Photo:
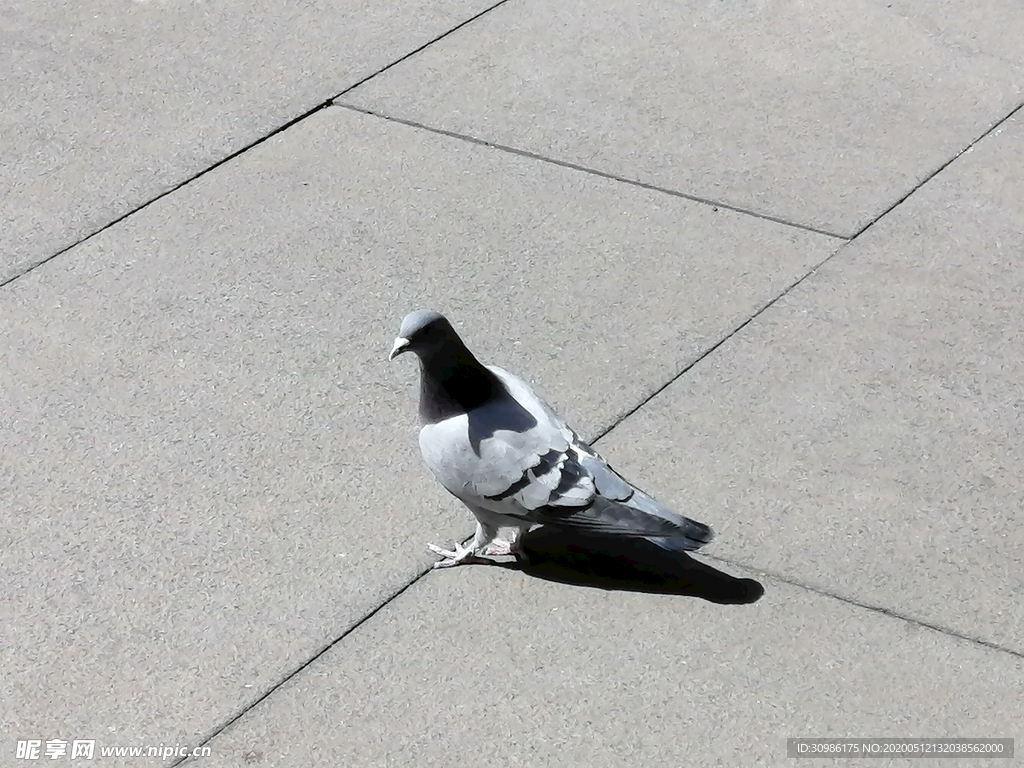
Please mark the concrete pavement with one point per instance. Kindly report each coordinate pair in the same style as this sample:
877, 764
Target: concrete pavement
109, 104
768, 254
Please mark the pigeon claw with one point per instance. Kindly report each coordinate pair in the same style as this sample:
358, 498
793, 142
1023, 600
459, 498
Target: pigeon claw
458, 556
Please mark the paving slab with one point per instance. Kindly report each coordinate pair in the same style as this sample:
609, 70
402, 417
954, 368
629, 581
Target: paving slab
865, 433
817, 112
494, 668
106, 104
210, 471
992, 27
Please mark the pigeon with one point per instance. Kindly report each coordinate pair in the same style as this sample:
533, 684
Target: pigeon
504, 453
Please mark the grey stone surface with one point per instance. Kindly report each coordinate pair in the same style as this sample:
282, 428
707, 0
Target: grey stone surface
818, 112
209, 470
865, 434
493, 668
994, 27
105, 104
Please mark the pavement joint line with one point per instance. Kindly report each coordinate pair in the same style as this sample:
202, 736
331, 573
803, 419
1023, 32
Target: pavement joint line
426, 45
890, 612
591, 171
159, 196
716, 345
280, 682
256, 142
939, 170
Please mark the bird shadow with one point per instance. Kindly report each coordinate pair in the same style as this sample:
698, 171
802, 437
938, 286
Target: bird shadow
626, 564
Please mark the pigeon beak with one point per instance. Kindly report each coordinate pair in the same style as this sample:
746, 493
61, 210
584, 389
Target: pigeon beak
401, 345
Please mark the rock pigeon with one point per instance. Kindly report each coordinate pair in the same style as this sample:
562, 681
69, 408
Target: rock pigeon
505, 454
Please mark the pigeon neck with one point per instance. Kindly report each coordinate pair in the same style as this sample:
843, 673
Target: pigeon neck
453, 382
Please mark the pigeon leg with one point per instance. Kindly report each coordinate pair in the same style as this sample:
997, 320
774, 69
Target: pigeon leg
500, 547
485, 535
512, 547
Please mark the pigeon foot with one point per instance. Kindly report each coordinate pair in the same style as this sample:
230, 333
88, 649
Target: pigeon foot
459, 556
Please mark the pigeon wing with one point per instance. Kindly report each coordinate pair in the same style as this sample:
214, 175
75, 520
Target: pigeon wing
510, 454
515, 457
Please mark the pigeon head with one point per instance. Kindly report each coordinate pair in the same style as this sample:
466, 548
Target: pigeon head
424, 332
452, 380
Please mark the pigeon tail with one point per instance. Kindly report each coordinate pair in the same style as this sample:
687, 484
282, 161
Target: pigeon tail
692, 535
608, 517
